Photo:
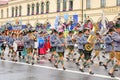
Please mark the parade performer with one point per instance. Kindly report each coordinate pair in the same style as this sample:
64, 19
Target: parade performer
2, 45
70, 45
60, 48
53, 40
109, 47
10, 45
116, 41
28, 46
97, 48
87, 54
81, 42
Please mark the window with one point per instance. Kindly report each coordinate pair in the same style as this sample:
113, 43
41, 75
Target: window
103, 3
118, 2
37, 8
2, 13
58, 5
47, 6
12, 11
16, 10
7, 12
87, 4
42, 7
33, 6
64, 5
20, 10
70, 5
28, 9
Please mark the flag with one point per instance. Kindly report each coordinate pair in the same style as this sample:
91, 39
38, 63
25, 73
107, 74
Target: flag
10, 28
56, 24
75, 22
66, 16
103, 25
40, 42
75, 18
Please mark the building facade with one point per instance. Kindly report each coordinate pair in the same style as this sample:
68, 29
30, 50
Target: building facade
42, 11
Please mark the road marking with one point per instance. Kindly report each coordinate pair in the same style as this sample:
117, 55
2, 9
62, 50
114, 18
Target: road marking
78, 72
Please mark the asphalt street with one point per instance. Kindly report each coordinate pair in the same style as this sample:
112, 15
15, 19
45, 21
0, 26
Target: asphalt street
44, 70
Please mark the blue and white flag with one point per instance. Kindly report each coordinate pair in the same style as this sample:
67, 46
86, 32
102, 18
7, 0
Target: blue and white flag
75, 22
41, 42
66, 16
75, 18
56, 24
104, 29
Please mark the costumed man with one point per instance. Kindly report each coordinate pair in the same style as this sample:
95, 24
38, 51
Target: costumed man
97, 48
3, 46
109, 47
116, 41
87, 54
53, 40
28, 46
10, 45
70, 45
81, 42
35, 50
60, 48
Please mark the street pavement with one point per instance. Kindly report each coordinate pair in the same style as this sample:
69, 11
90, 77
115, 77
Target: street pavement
44, 70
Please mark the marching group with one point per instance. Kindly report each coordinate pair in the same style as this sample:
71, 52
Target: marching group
31, 44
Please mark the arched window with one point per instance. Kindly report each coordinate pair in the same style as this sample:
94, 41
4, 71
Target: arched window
20, 10
2, 13
58, 5
70, 5
118, 2
88, 4
12, 11
103, 3
33, 7
28, 9
47, 6
37, 8
16, 10
64, 5
42, 7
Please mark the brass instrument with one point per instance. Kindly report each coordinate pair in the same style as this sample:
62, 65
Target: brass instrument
91, 39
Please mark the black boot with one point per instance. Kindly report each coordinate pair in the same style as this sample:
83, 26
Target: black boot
105, 66
81, 70
91, 73
111, 74
64, 68
56, 66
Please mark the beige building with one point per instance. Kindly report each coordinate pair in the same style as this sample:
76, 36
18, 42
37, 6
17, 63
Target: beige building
42, 11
